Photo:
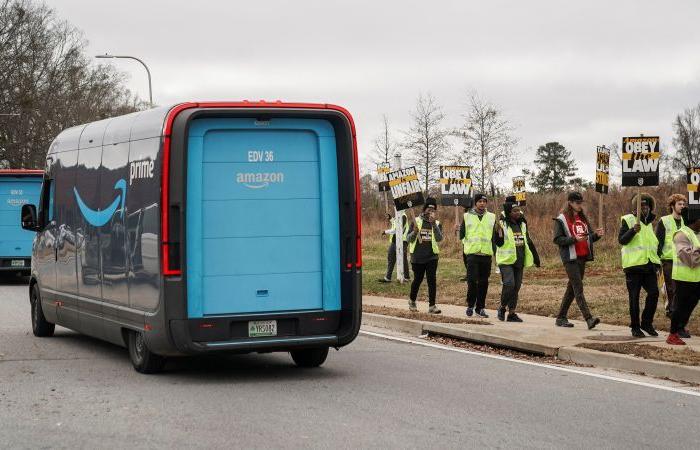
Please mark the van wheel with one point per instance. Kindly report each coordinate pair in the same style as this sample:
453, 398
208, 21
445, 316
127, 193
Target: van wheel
142, 358
40, 326
311, 357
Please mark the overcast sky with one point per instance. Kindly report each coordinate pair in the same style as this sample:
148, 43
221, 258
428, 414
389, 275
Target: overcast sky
581, 73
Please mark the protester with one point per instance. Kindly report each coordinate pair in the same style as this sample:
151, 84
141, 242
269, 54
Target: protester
515, 251
391, 254
423, 237
665, 229
640, 262
476, 232
575, 241
686, 275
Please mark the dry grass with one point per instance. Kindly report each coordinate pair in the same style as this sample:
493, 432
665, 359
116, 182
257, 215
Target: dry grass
686, 356
404, 314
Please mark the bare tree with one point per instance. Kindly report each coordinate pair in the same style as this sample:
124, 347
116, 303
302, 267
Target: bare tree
384, 144
488, 143
427, 140
47, 83
687, 139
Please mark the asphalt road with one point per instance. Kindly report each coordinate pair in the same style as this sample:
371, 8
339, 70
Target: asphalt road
77, 392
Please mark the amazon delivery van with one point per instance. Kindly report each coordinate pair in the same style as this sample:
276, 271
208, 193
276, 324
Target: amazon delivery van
202, 227
17, 187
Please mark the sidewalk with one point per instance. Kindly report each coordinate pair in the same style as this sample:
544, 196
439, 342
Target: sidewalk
538, 334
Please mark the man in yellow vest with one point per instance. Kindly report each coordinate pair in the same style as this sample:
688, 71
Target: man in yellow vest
666, 227
514, 252
391, 254
640, 262
476, 232
423, 237
686, 274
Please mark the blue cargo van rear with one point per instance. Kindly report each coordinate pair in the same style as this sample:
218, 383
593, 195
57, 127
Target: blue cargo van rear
202, 227
17, 188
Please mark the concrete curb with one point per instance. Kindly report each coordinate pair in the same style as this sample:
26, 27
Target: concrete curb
661, 369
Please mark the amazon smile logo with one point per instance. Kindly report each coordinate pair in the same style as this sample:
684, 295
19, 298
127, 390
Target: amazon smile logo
100, 217
258, 180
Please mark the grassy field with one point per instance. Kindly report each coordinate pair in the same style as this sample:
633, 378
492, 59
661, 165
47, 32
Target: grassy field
542, 288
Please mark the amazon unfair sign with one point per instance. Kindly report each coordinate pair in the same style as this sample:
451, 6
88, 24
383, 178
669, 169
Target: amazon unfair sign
405, 188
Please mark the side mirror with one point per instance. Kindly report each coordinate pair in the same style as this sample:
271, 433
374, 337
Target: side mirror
29, 220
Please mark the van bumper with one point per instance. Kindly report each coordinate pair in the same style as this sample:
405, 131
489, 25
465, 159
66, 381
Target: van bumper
302, 330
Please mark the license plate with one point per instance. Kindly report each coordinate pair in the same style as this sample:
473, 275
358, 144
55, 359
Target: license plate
260, 328
17, 263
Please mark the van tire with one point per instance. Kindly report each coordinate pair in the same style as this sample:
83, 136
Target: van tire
310, 357
40, 326
144, 360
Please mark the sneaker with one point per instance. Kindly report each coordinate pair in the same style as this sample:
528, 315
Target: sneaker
434, 310
412, 306
674, 339
637, 332
684, 334
470, 311
512, 317
650, 330
592, 322
482, 313
384, 280
564, 323
501, 314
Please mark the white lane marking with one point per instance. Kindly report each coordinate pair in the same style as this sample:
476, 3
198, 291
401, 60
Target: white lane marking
531, 363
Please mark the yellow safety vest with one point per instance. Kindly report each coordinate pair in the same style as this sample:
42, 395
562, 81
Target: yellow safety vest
670, 225
643, 246
419, 225
478, 234
393, 228
681, 272
507, 253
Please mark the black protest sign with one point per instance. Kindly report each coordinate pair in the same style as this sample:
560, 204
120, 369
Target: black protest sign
640, 161
456, 186
693, 178
602, 170
405, 188
383, 168
519, 190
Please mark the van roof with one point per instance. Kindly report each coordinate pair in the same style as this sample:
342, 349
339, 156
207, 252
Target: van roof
155, 122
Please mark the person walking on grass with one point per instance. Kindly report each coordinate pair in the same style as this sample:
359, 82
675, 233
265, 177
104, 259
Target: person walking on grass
665, 229
476, 232
514, 252
391, 254
423, 237
686, 275
573, 236
640, 262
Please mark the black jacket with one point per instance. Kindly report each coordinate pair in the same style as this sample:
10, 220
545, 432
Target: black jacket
566, 242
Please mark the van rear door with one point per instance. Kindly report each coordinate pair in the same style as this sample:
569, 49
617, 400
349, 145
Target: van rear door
262, 230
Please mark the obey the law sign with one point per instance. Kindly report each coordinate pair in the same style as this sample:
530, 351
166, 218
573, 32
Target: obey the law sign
640, 161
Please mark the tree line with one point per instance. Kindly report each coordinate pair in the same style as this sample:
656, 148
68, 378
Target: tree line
48, 83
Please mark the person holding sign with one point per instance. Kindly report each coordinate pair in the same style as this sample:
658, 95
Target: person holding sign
391, 255
665, 229
476, 233
572, 235
514, 252
686, 274
640, 262
423, 237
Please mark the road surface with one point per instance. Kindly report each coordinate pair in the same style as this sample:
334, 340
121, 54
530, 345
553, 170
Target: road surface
74, 391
